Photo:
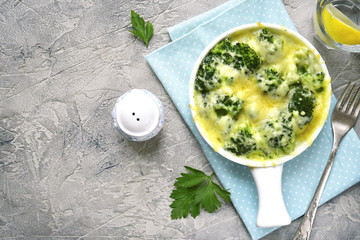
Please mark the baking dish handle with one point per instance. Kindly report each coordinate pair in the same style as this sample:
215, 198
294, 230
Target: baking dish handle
272, 211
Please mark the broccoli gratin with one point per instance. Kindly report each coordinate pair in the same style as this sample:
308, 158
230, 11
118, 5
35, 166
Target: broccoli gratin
260, 92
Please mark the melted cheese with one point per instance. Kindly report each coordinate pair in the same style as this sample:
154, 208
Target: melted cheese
259, 107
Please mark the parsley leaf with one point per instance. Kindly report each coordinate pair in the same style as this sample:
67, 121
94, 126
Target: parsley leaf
144, 32
196, 190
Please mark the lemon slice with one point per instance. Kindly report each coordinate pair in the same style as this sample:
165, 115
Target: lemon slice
340, 27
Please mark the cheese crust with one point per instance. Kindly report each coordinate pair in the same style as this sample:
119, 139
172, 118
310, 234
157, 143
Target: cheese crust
256, 112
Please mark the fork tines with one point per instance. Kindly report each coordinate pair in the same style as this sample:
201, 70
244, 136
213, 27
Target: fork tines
350, 97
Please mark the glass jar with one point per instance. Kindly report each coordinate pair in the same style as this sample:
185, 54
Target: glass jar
337, 24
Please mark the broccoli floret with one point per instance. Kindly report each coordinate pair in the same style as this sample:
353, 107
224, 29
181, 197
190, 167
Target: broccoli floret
269, 80
269, 46
222, 47
301, 105
279, 132
305, 61
265, 35
248, 56
237, 55
207, 77
315, 81
310, 74
241, 142
228, 105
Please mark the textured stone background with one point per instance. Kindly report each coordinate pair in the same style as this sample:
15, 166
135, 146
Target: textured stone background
66, 173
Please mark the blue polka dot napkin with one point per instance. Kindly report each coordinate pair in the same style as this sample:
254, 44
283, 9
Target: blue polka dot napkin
173, 64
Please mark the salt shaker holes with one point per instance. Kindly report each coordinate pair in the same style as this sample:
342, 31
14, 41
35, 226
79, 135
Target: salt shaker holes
137, 119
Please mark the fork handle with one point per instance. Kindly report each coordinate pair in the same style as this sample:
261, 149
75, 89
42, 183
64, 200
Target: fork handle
305, 227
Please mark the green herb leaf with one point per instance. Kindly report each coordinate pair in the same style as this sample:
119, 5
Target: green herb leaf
190, 179
196, 190
144, 32
207, 197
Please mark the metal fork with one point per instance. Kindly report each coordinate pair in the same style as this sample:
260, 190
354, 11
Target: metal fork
342, 120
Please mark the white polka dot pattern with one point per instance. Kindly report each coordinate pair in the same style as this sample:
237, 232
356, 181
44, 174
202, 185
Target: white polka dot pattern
173, 64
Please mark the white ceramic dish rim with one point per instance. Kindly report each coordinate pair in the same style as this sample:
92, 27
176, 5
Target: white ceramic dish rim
241, 160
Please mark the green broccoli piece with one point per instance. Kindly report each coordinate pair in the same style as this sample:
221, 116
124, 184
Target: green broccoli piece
228, 105
241, 142
301, 68
237, 55
207, 77
270, 45
301, 105
315, 81
279, 132
269, 80
304, 60
248, 56
223, 47
309, 74
265, 35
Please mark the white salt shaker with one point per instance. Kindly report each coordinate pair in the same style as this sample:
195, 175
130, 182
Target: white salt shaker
138, 115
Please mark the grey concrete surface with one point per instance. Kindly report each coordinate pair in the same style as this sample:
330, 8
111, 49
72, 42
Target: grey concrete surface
66, 173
